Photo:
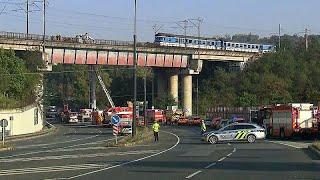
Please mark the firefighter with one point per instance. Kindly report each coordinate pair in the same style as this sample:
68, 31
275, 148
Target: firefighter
155, 128
203, 127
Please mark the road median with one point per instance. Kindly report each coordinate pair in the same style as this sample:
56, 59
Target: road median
144, 136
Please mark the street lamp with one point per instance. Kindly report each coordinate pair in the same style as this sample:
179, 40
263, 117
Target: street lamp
134, 118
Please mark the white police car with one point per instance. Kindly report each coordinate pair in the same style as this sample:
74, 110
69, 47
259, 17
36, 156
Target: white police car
235, 132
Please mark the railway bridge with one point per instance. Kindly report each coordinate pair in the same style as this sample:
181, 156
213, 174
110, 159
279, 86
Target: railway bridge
168, 62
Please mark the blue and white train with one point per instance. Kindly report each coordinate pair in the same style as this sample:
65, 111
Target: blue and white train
165, 39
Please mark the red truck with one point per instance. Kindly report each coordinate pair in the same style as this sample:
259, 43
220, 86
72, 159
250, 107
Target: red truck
156, 115
288, 120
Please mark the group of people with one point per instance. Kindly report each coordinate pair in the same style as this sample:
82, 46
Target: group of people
156, 128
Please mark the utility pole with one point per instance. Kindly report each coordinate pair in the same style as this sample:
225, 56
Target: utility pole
134, 118
197, 23
27, 18
145, 96
185, 33
279, 36
156, 28
184, 26
44, 24
306, 38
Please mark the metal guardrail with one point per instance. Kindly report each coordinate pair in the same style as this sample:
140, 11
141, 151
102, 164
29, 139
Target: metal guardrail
58, 38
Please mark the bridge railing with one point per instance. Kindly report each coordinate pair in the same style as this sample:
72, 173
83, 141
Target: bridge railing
58, 38
14, 35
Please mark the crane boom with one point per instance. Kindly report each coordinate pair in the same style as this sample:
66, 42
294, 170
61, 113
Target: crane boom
105, 89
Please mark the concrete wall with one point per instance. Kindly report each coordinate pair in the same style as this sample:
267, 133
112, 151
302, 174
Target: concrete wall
23, 120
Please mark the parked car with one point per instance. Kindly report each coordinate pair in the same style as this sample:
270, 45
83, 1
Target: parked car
183, 121
73, 117
208, 122
51, 112
195, 121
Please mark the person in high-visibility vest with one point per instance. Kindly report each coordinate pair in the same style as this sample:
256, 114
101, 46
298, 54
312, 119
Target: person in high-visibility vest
155, 128
203, 127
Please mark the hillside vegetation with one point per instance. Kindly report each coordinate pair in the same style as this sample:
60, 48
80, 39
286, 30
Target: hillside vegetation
292, 74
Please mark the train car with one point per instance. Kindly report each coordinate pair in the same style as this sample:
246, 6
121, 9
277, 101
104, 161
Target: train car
165, 39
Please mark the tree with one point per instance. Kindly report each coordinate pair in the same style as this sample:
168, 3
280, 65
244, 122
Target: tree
18, 81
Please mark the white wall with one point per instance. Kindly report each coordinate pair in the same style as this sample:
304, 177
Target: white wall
23, 121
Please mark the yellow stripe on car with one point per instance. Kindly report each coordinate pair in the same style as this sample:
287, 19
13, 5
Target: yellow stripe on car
241, 134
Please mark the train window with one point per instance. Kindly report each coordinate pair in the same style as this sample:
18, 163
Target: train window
237, 45
249, 46
232, 45
245, 46
257, 47
228, 44
241, 45
190, 41
204, 42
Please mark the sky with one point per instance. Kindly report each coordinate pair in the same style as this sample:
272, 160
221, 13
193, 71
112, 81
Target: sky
113, 19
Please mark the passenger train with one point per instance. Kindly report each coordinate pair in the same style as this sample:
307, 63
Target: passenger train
165, 39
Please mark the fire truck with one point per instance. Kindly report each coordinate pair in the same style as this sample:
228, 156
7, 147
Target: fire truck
288, 120
156, 115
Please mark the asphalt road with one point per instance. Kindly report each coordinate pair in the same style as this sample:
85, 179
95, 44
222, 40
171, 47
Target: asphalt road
79, 152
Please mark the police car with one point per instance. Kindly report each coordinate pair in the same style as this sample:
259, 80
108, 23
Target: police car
235, 132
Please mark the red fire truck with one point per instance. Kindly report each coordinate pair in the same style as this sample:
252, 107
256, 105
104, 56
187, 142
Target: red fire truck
285, 121
156, 115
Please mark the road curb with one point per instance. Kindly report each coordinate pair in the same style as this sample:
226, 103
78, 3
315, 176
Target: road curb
6, 149
51, 130
314, 150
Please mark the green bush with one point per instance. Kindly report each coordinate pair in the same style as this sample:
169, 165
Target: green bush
18, 81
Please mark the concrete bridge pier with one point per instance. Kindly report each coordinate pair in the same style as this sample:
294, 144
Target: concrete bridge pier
173, 86
162, 83
187, 94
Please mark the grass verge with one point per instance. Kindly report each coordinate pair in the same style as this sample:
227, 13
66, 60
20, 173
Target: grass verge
144, 135
317, 145
6, 147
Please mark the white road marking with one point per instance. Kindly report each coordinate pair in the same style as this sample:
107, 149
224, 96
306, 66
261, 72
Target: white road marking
229, 144
285, 144
76, 156
221, 159
37, 145
47, 169
210, 165
44, 151
193, 174
129, 162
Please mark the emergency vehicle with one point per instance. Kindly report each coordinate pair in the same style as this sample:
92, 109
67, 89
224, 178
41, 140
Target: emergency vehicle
156, 115
235, 132
287, 120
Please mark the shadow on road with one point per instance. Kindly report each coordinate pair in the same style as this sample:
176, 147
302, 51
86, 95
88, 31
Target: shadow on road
310, 154
232, 165
88, 133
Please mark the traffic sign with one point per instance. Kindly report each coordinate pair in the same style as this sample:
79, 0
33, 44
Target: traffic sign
115, 130
4, 123
115, 119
